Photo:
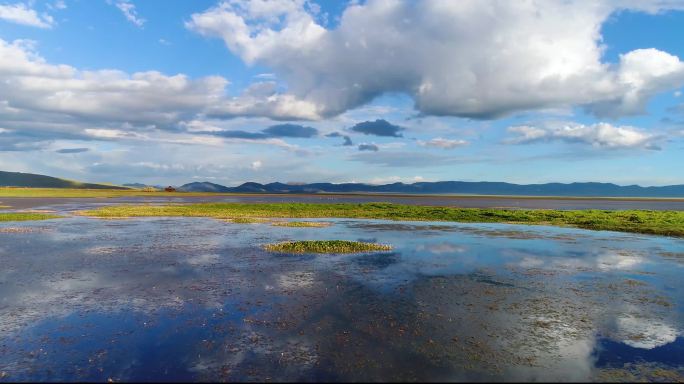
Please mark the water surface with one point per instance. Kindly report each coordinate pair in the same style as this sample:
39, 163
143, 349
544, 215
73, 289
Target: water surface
168, 299
446, 201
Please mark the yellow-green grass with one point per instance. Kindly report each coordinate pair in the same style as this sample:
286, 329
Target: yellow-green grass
25, 216
313, 224
261, 220
669, 223
326, 246
247, 220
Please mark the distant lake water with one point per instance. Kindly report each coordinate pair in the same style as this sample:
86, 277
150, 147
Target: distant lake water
456, 201
168, 299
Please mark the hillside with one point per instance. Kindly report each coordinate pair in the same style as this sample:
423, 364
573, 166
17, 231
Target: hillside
19, 179
203, 187
452, 187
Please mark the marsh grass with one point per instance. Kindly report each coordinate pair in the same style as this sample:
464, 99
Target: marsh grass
669, 223
25, 216
313, 224
247, 220
326, 246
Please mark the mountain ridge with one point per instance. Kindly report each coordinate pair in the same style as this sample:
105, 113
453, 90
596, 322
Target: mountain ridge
580, 189
32, 180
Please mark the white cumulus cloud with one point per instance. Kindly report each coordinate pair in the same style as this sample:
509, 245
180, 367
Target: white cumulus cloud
29, 84
259, 100
439, 142
602, 135
475, 58
21, 13
40, 100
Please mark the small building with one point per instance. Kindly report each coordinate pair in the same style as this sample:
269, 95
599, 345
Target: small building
170, 189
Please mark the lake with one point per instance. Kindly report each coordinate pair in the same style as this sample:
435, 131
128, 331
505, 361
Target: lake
169, 299
447, 201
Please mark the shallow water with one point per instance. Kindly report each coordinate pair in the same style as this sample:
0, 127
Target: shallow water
445, 201
168, 299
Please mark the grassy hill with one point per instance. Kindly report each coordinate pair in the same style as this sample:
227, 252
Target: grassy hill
18, 179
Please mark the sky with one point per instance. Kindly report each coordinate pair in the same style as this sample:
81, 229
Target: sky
377, 91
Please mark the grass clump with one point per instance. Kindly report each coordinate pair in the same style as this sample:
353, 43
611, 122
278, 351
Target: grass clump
669, 223
247, 220
313, 224
326, 246
23, 216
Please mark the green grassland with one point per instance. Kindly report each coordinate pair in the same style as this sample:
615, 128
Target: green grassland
25, 216
669, 223
325, 246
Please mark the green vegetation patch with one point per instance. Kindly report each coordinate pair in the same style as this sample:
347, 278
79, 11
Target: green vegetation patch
669, 223
23, 216
326, 246
314, 224
247, 220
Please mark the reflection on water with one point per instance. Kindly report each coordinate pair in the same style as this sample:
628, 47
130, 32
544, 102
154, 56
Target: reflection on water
197, 299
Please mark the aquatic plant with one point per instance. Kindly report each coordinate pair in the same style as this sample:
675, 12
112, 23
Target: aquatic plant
325, 246
314, 224
25, 216
247, 220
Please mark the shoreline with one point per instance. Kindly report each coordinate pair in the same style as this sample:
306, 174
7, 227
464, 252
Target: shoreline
461, 201
12, 192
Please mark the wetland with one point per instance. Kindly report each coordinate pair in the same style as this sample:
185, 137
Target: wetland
199, 298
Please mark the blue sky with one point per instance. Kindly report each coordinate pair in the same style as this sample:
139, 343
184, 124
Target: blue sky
165, 92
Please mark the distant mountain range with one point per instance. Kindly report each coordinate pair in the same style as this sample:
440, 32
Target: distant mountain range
140, 186
450, 187
19, 179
